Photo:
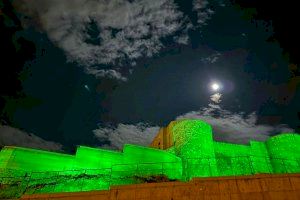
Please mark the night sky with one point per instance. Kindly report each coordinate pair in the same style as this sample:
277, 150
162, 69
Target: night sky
104, 73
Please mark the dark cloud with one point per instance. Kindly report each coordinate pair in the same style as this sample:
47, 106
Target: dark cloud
10, 136
283, 17
13, 45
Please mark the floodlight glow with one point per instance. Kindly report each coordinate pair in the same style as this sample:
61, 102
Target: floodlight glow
193, 153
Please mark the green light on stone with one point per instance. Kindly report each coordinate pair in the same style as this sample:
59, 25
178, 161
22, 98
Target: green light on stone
194, 154
193, 142
89, 169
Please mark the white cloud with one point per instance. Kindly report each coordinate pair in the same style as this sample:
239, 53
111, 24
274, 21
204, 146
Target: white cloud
183, 39
10, 136
203, 12
216, 97
110, 73
235, 127
212, 58
141, 134
126, 30
227, 127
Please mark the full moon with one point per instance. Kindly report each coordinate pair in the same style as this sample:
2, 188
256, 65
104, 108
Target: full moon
215, 86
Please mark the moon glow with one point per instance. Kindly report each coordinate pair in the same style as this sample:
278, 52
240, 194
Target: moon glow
215, 86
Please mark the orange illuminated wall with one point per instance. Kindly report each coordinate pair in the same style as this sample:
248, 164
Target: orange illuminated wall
164, 138
257, 187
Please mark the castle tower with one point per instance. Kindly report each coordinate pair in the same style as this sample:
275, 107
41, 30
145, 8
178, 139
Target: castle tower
192, 141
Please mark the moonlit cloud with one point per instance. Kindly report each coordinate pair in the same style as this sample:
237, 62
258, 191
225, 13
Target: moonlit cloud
213, 58
141, 134
216, 97
183, 39
125, 30
110, 73
10, 136
203, 11
235, 127
227, 127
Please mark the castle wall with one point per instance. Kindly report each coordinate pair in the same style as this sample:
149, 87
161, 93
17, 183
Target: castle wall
36, 171
5, 156
189, 151
158, 141
193, 142
284, 152
164, 138
25, 159
260, 187
232, 159
260, 158
96, 158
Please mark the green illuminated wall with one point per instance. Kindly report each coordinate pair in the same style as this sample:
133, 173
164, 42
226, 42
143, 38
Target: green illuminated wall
232, 159
203, 157
193, 140
285, 151
36, 171
194, 154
